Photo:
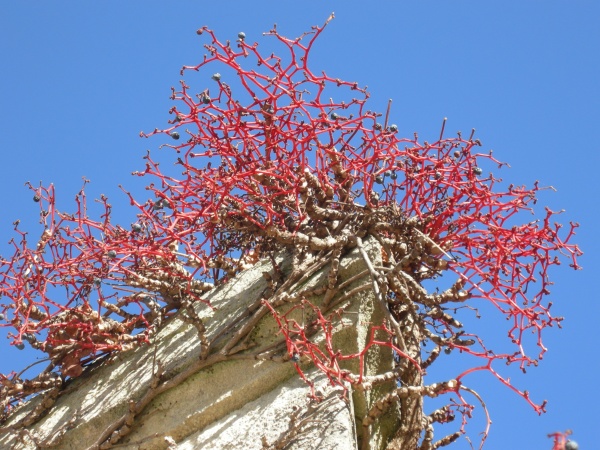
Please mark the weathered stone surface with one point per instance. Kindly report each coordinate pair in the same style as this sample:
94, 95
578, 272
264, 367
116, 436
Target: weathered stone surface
237, 403
328, 424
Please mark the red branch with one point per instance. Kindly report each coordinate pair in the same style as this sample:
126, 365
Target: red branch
266, 153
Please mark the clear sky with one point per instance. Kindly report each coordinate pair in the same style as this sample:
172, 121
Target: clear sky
80, 80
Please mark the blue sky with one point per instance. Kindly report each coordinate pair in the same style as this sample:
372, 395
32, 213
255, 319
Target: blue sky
80, 80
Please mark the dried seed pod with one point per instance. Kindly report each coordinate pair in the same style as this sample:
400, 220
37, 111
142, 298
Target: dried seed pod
374, 198
571, 445
161, 203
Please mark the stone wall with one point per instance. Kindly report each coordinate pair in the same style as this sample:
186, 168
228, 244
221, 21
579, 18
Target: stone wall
168, 396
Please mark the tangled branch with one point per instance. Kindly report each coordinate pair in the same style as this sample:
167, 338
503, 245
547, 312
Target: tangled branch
274, 157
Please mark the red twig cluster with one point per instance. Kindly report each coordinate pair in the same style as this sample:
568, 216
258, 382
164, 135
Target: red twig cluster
325, 356
561, 441
273, 156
